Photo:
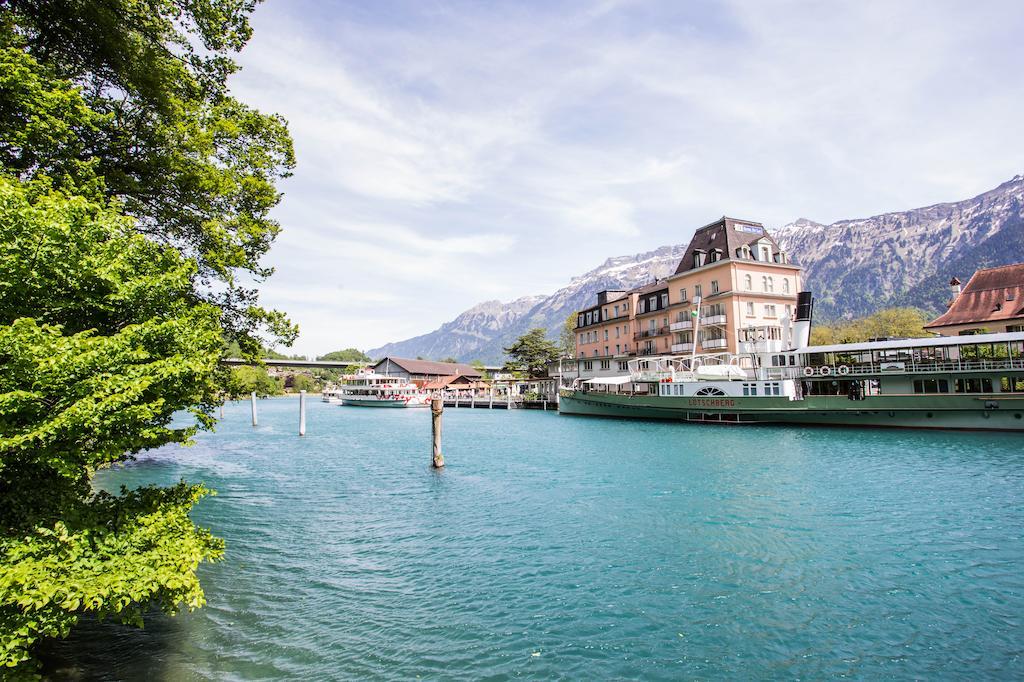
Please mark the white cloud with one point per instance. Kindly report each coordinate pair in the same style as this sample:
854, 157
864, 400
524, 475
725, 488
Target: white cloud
496, 150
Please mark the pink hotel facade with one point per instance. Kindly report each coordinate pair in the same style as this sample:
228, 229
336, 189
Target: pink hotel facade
745, 283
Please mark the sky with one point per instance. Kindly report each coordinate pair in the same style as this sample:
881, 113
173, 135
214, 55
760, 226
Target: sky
451, 153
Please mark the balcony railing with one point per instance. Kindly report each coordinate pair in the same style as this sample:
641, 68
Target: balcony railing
709, 344
713, 319
650, 333
682, 347
681, 325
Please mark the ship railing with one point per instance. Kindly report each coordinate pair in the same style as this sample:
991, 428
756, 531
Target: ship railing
896, 367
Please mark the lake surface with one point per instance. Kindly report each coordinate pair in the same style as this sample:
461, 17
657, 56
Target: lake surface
568, 547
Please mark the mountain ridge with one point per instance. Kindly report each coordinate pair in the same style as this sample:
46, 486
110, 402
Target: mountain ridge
854, 266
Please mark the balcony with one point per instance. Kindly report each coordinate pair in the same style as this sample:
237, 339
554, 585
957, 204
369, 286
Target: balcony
711, 344
713, 319
682, 347
681, 325
650, 333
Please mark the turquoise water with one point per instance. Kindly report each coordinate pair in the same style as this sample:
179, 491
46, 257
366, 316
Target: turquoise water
562, 547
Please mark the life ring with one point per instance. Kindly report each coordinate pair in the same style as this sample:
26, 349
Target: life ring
808, 371
825, 370
844, 370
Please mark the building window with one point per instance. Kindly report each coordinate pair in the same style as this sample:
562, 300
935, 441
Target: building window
764, 283
605, 334
714, 286
664, 300
617, 332
682, 294
625, 328
769, 310
748, 282
696, 290
617, 349
617, 307
606, 350
789, 310
750, 309
581, 340
595, 353
771, 284
785, 285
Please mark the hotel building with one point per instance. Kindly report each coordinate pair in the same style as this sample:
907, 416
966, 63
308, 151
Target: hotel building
744, 282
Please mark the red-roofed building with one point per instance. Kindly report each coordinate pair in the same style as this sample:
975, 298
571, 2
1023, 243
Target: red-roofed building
992, 301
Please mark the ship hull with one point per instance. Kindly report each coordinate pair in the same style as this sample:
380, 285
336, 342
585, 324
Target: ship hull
991, 412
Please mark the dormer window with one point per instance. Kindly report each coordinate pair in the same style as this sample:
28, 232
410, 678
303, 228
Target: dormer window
766, 254
699, 258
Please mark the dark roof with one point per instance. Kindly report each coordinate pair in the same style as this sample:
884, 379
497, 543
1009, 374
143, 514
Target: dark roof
725, 234
991, 295
431, 367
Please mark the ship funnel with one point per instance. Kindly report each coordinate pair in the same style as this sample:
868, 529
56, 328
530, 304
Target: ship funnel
802, 321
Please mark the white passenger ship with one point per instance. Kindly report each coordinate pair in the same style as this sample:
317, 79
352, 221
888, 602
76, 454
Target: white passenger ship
369, 389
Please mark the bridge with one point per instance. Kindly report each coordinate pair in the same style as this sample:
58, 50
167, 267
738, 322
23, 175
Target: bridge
307, 364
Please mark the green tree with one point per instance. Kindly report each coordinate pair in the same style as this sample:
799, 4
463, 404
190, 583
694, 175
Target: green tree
531, 353
128, 100
248, 378
348, 354
451, 360
135, 196
304, 382
894, 322
567, 337
102, 339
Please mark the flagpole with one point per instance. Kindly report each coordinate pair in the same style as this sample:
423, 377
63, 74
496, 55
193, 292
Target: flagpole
696, 326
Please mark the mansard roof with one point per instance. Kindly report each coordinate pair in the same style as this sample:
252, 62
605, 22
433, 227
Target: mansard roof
726, 235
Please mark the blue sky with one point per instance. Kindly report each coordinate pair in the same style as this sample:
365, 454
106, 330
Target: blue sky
451, 153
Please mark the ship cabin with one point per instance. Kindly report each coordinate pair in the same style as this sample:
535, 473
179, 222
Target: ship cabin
981, 363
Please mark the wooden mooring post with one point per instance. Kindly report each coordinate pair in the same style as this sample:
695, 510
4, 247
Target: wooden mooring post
302, 413
436, 408
252, 401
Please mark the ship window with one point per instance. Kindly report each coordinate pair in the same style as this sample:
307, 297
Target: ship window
982, 385
749, 389
1013, 384
605, 364
710, 390
623, 366
588, 365
931, 386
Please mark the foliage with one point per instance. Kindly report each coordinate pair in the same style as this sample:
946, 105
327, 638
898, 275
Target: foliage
479, 366
567, 336
531, 353
894, 322
246, 379
102, 339
304, 382
128, 99
348, 354
451, 360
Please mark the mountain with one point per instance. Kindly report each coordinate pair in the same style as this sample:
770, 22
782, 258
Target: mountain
482, 331
856, 267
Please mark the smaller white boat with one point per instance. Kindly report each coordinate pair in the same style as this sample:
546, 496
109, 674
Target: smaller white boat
331, 394
369, 389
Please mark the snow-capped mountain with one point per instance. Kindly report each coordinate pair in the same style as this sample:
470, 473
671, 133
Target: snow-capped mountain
858, 266
482, 331
854, 267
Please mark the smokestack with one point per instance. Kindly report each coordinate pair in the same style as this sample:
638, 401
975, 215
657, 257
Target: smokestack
802, 322
954, 284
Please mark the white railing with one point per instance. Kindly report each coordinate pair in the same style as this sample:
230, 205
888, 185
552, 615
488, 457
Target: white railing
682, 347
713, 319
889, 367
709, 344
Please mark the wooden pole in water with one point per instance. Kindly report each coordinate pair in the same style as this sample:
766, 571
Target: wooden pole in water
302, 413
252, 400
436, 408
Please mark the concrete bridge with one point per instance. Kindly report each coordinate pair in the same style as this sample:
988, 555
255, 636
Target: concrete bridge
307, 364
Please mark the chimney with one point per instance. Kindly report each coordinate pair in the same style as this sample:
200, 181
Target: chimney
954, 284
802, 323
